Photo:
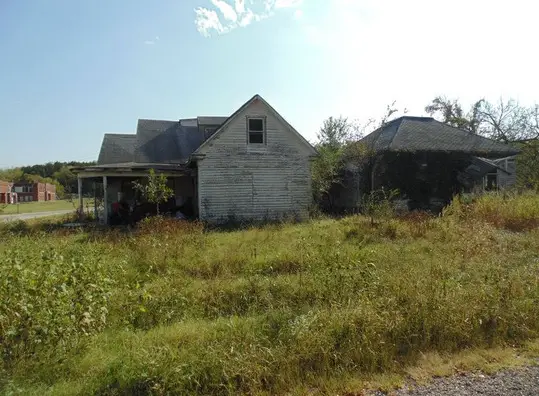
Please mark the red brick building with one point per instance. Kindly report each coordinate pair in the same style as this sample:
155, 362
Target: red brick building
27, 192
5, 192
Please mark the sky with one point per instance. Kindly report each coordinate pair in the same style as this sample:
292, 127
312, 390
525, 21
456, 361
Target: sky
74, 70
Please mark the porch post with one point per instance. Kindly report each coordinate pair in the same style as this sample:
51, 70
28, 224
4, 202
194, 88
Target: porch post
195, 195
79, 186
95, 201
105, 201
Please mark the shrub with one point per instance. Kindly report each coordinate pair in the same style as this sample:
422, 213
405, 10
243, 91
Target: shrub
49, 299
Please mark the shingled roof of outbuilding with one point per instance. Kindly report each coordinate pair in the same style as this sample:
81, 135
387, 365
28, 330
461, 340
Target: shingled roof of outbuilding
413, 134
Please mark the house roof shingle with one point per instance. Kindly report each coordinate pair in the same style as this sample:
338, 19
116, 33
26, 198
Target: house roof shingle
156, 141
117, 148
427, 134
160, 141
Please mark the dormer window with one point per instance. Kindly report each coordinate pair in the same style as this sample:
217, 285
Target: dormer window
256, 130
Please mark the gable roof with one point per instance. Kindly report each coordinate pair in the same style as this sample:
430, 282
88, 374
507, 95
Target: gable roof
117, 148
243, 107
479, 167
427, 134
155, 142
167, 142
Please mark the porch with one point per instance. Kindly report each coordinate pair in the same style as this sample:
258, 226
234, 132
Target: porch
117, 202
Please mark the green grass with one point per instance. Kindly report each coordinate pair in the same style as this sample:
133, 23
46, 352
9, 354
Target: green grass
42, 206
330, 305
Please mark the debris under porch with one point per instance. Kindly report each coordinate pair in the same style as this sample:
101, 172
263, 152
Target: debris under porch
117, 202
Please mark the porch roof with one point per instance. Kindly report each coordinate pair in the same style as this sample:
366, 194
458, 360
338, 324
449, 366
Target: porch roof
134, 169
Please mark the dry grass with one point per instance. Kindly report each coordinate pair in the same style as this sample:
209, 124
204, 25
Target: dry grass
330, 305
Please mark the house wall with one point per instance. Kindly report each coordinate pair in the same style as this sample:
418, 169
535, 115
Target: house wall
345, 196
507, 180
38, 192
5, 189
239, 181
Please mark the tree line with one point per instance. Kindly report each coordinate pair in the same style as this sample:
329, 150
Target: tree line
57, 173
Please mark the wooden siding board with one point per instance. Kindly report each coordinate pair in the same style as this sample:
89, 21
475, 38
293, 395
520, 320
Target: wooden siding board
254, 182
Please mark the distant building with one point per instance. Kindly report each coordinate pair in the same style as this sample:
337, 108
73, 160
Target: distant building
28, 192
6, 195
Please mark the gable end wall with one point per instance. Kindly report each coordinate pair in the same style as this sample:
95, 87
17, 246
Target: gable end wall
237, 181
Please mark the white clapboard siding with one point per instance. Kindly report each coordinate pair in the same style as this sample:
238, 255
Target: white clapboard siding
254, 182
507, 179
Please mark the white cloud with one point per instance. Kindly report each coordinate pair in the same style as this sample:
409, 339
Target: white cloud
226, 9
298, 14
248, 17
240, 6
208, 21
152, 42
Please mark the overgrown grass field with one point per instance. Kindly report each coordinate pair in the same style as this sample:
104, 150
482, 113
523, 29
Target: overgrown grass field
42, 206
172, 308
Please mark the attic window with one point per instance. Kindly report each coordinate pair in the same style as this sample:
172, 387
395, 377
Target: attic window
256, 130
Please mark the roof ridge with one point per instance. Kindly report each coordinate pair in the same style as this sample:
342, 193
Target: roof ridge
120, 134
417, 117
155, 119
212, 116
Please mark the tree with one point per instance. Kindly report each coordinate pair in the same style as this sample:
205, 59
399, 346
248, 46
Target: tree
508, 121
335, 132
449, 111
155, 190
11, 175
326, 169
528, 165
65, 177
339, 145
505, 120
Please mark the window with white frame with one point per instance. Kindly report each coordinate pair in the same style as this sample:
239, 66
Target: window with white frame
256, 130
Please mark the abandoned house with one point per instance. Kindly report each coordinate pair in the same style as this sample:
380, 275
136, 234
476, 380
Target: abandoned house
428, 162
252, 165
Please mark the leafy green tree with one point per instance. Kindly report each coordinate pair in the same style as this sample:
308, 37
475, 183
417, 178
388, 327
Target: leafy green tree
326, 169
335, 132
155, 190
528, 165
450, 112
338, 146
11, 175
66, 178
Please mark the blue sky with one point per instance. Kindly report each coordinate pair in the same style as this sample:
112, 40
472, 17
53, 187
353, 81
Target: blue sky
74, 70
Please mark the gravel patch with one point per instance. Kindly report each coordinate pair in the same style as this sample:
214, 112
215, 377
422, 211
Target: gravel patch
519, 382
